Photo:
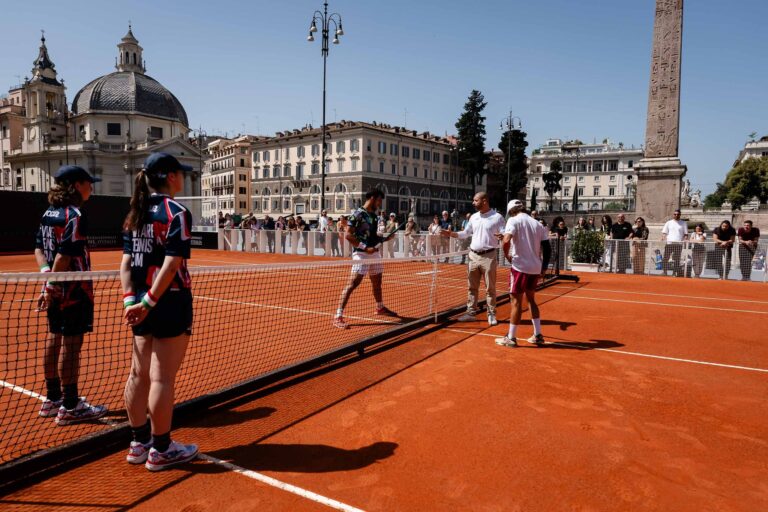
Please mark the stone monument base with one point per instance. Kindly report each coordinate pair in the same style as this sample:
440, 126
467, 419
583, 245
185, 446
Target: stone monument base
659, 182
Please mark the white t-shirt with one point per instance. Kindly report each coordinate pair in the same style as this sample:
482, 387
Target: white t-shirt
527, 235
322, 223
675, 230
482, 227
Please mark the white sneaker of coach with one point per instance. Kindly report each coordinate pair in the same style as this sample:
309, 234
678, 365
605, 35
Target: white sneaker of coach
492, 320
467, 317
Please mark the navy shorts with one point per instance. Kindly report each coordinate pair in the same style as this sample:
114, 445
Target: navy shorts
171, 317
74, 319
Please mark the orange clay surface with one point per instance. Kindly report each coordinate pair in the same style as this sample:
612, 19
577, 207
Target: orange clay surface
650, 395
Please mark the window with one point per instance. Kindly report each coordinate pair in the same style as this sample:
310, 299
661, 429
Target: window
381, 166
266, 156
276, 171
595, 191
354, 145
340, 166
368, 145
315, 168
393, 150
242, 162
369, 165
568, 167
241, 190
416, 153
445, 176
155, 132
382, 148
286, 170
301, 151
613, 165
406, 152
427, 156
287, 153
581, 191
426, 176
31, 188
567, 192
631, 163
256, 156
567, 179
582, 167
581, 179
415, 172
597, 178
112, 129
612, 178
536, 179
612, 191
241, 177
340, 147
394, 168
405, 170
265, 172
354, 164
315, 149
328, 148
436, 157
597, 167
277, 155
299, 171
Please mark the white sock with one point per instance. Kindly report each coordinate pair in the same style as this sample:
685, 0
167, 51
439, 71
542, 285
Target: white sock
512, 331
537, 326
379, 305
339, 312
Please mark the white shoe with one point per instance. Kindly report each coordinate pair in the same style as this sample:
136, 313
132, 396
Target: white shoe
492, 320
506, 341
467, 317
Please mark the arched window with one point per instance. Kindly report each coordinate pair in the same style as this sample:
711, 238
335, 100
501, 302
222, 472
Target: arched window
404, 192
134, 57
287, 194
314, 189
595, 206
383, 188
340, 203
265, 199
340, 188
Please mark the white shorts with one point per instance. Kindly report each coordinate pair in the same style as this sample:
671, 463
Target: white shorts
369, 269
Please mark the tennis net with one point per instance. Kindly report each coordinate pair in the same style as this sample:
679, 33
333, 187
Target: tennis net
250, 321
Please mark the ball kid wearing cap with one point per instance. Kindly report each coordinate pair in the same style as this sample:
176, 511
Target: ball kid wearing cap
158, 306
61, 245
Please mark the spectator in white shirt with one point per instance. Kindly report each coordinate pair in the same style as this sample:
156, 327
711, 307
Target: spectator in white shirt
483, 227
674, 232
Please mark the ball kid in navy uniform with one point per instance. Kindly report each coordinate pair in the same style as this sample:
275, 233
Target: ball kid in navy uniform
158, 307
61, 246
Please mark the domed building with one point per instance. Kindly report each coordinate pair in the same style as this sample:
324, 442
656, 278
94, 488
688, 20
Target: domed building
115, 121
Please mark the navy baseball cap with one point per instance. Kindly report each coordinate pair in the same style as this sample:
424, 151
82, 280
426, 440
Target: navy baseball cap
74, 173
160, 164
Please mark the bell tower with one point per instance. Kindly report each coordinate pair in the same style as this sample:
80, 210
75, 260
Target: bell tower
46, 103
129, 57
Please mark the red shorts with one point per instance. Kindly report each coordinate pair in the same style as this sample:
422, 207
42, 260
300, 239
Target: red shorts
520, 282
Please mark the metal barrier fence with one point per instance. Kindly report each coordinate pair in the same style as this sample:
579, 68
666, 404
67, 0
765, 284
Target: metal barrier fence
316, 243
682, 259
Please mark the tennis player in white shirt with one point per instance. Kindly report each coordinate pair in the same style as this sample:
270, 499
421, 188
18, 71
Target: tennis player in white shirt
526, 247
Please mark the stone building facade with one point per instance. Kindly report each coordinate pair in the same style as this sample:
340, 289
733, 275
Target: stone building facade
603, 174
114, 123
417, 171
226, 178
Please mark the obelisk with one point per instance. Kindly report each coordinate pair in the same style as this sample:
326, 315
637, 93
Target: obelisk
660, 172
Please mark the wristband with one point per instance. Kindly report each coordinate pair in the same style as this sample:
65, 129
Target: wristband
129, 299
149, 301
45, 268
362, 246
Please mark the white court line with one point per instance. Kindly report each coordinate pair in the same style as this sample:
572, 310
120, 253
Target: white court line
686, 306
22, 390
328, 502
628, 353
588, 289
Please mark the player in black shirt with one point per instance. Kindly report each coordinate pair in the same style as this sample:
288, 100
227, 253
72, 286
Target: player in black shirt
622, 230
61, 246
158, 306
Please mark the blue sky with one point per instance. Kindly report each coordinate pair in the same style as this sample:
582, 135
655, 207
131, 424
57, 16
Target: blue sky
568, 69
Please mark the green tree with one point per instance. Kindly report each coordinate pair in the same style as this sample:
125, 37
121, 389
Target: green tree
747, 180
471, 135
513, 145
552, 181
716, 198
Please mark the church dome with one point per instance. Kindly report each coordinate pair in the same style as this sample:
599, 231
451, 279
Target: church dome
129, 92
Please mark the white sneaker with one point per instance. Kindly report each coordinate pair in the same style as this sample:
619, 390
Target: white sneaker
492, 320
506, 341
138, 452
467, 317
177, 453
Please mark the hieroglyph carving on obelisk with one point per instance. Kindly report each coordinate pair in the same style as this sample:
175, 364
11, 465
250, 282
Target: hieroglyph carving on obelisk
662, 128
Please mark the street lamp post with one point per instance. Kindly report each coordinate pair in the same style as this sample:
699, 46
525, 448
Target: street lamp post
325, 21
509, 124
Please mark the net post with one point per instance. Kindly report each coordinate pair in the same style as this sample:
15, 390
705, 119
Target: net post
432, 290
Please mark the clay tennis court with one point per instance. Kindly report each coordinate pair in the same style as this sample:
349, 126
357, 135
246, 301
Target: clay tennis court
651, 395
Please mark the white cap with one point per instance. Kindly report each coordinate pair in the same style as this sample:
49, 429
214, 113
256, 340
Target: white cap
515, 203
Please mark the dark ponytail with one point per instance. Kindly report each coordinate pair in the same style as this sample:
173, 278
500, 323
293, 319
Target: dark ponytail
137, 217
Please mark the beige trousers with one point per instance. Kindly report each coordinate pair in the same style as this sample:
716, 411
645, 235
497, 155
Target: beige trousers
482, 267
